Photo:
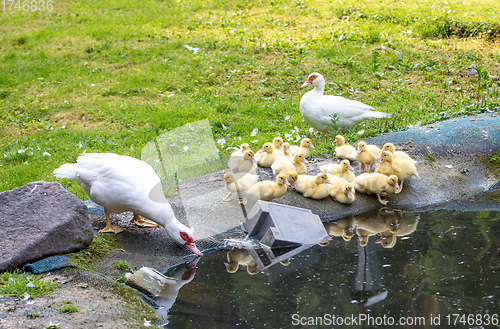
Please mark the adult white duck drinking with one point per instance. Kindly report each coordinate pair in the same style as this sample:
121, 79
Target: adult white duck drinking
121, 183
318, 109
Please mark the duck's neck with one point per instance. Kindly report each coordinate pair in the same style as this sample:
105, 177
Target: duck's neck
320, 88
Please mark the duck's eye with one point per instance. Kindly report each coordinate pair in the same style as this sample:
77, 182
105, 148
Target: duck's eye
184, 236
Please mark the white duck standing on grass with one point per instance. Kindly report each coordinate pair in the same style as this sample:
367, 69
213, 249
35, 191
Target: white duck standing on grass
318, 109
121, 183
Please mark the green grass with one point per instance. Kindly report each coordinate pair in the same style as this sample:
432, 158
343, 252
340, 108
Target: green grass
68, 307
21, 285
113, 76
101, 244
122, 266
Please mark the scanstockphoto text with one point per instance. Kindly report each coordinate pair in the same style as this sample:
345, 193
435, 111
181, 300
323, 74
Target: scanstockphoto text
369, 320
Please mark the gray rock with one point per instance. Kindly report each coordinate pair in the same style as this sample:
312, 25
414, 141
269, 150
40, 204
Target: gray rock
39, 220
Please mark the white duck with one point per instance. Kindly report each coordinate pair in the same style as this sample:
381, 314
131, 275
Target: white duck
121, 183
318, 109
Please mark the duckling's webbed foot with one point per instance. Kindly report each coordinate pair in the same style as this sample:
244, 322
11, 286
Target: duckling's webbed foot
227, 198
384, 202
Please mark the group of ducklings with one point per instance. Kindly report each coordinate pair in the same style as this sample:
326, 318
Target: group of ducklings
288, 163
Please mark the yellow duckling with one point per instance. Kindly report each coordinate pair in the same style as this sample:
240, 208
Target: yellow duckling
341, 190
244, 147
376, 183
237, 257
314, 186
243, 163
238, 182
268, 190
284, 152
344, 151
341, 228
265, 157
342, 170
305, 144
367, 155
396, 154
292, 177
283, 165
277, 143
402, 168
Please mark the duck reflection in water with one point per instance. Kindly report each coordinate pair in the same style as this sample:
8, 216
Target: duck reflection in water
181, 276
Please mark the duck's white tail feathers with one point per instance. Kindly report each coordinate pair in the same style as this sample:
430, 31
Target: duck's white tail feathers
375, 114
67, 170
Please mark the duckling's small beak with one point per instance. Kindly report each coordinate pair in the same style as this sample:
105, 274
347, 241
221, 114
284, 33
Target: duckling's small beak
253, 160
350, 167
349, 195
295, 184
262, 150
305, 161
287, 183
359, 151
328, 181
193, 248
311, 146
397, 185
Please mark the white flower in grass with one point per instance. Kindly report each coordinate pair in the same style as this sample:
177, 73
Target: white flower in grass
361, 132
221, 141
254, 132
46, 154
186, 148
254, 141
287, 136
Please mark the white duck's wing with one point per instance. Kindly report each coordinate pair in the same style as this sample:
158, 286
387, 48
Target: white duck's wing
117, 182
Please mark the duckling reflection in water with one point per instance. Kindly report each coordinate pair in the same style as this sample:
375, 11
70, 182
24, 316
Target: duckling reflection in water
237, 257
371, 224
405, 226
341, 228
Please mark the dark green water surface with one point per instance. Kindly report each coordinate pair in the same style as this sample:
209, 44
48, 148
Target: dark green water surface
441, 272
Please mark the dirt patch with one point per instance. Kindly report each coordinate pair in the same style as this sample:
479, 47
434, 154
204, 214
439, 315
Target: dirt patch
99, 304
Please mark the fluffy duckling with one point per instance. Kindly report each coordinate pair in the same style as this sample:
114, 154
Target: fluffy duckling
268, 190
376, 183
265, 157
396, 154
367, 155
341, 190
284, 165
305, 144
314, 186
243, 147
237, 257
285, 151
243, 162
277, 143
238, 182
341, 228
402, 168
342, 170
292, 177
344, 151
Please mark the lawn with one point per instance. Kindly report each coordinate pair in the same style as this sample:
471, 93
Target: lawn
112, 76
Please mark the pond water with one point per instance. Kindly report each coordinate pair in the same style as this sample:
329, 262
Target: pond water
439, 269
